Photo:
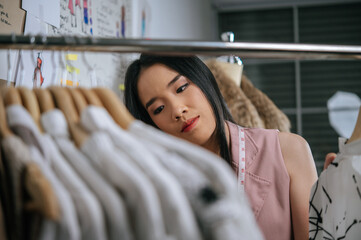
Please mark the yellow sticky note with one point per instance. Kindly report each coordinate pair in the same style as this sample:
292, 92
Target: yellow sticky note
69, 83
72, 69
71, 57
121, 87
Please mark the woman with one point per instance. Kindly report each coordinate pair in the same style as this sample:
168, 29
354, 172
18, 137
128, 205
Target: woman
180, 96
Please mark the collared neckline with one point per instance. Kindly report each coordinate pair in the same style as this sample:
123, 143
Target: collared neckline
352, 148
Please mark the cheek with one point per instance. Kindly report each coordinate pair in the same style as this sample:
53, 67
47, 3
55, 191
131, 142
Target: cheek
161, 122
201, 102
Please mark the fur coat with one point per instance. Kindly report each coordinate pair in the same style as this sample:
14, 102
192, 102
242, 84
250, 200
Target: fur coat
249, 106
241, 108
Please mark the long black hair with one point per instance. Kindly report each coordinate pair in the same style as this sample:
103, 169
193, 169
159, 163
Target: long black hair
196, 71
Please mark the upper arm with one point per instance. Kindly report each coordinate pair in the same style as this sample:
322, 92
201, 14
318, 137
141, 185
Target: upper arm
302, 171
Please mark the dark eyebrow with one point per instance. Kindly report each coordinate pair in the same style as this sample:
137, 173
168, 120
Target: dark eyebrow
174, 80
151, 101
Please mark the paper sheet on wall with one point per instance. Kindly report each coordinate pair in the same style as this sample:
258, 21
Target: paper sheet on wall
46, 10
11, 17
100, 18
33, 66
107, 18
11, 21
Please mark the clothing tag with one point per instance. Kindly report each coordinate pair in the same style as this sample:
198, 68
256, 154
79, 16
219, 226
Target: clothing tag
242, 161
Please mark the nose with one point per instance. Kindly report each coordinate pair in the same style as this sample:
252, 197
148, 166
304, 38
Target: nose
179, 111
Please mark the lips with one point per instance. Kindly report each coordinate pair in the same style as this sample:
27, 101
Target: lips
190, 124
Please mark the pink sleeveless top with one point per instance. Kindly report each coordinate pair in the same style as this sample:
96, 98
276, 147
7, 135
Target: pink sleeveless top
267, 182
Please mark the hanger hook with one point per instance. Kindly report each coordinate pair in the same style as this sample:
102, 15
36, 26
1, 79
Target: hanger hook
64, 74
91, 69
10, 68
55, 68
22, 68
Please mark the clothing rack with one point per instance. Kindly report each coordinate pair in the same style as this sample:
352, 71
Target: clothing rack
183, 47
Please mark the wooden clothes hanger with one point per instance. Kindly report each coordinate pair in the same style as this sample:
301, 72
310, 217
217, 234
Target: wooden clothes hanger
78, 99
12, 96
45, 99
42, 196
115, 107
91, 97
356, 134
4, 128
65, 103
30, 102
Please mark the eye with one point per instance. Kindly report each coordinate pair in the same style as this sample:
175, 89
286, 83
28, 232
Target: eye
158, 110
182, 88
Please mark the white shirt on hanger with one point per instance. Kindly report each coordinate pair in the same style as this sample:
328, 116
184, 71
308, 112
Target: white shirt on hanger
214, 211
20, 155
217, 171
138, 191
213, 166
68, 226
89, 212
335, 200
179, 219
114, 209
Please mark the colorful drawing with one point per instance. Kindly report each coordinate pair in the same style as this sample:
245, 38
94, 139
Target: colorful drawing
71, 7
37, 72
72, 12
85, 6
123, 21
143, 23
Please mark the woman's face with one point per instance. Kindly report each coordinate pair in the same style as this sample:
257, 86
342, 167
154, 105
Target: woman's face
176, 105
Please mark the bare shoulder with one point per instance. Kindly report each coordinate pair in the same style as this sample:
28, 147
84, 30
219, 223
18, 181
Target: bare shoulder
296, 152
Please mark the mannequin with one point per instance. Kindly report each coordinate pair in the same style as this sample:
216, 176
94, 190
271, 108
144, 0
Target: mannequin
243, 111
233, 66
232, 70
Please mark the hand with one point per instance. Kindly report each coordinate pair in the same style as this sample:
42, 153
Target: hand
329, 159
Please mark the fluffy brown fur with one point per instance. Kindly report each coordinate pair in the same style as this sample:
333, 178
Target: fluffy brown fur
241, 108
271, 115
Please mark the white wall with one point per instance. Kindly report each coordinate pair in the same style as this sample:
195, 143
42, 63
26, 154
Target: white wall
182, 19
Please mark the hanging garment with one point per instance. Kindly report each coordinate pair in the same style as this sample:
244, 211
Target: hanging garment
214, 211
179, 219
2, 225
223, 180
335, 200
88, 209
267, 181
218, 217
11, 189
113, 205
2, 193
20, 170
4, 197
241, 108
136, 188
210, 164
270, 114
23, 125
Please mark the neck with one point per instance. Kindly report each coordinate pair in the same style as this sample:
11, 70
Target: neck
213, 143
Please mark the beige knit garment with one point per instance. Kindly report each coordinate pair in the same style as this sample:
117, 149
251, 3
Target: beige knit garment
271, 115
241, 108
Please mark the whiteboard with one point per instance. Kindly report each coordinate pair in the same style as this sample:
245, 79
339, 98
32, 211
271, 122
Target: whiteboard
98, 18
